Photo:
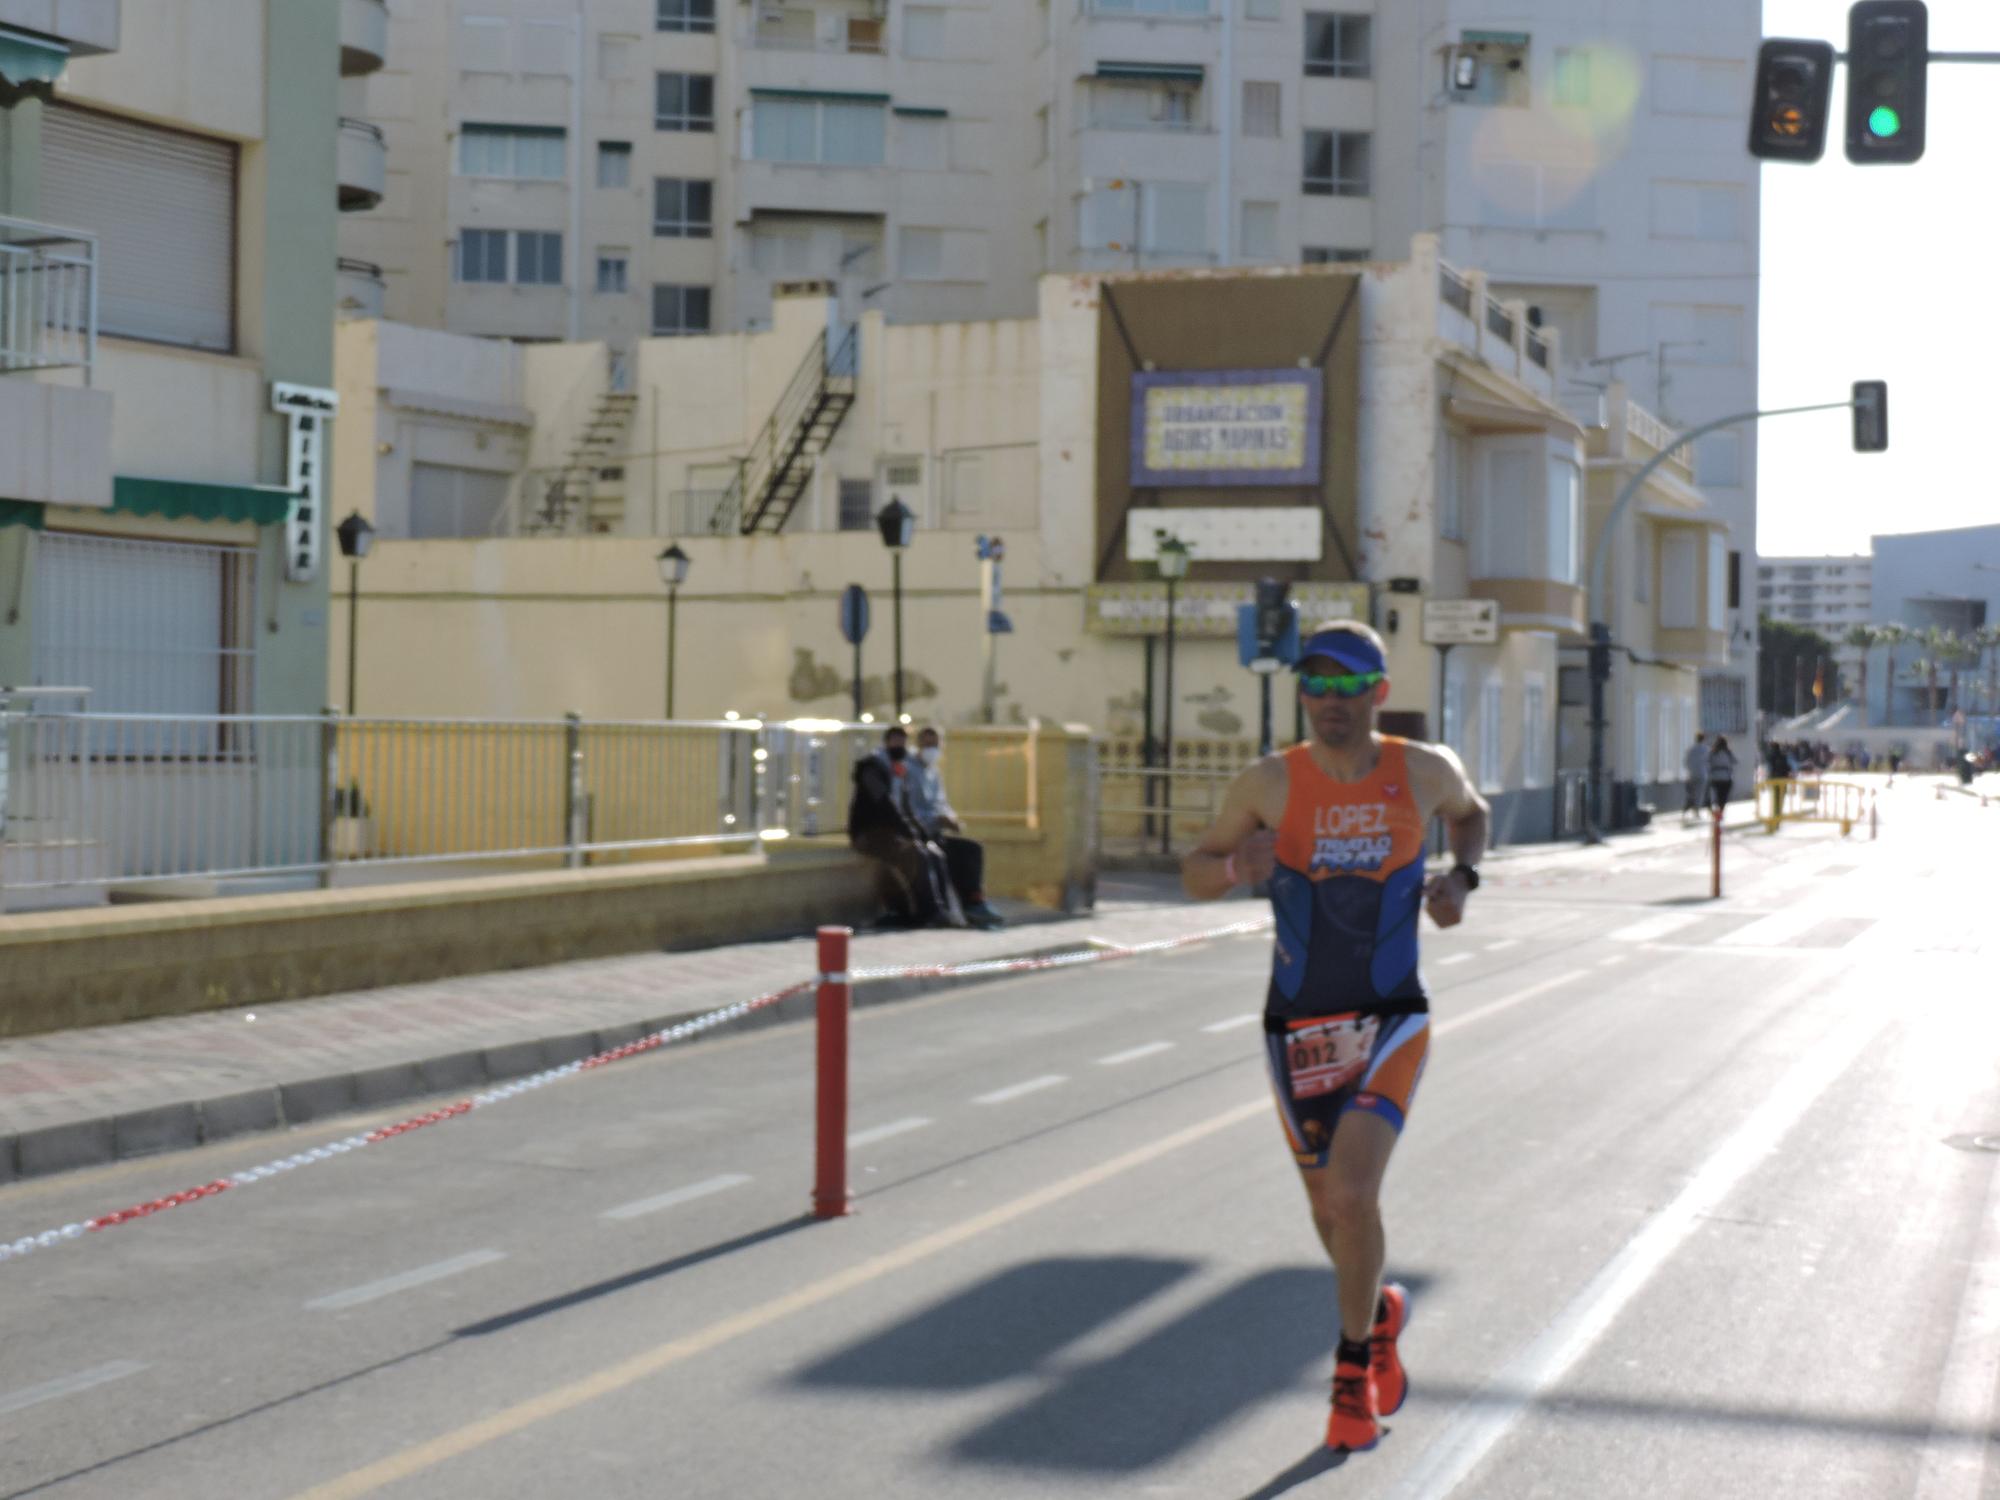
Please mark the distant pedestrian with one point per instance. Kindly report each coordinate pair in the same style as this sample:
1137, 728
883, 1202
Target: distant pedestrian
1721, 773
1696, 796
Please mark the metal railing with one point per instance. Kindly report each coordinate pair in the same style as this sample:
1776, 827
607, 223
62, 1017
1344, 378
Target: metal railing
48, 298
1812, 800
1455, 289
93, 801
1538, 349
1499, 322
762, 465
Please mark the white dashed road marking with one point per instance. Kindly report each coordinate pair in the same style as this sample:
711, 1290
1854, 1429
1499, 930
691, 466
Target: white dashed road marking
1133, 1054
68, 1385
1017, 1090
389, 1285
883, 1132
1232, 1023
678, 1196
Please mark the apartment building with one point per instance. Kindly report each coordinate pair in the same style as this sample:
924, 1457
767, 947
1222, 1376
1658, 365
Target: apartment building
1827, 594
168, 195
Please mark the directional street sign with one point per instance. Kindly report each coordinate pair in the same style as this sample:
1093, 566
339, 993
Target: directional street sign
1461, 622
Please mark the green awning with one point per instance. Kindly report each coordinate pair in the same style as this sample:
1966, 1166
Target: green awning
185, 500
1494, 38
918, 112
839, 96
26, 513
1152, 72
28, 59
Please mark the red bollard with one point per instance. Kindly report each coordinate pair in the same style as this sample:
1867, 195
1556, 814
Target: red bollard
834, 1000
1715, 858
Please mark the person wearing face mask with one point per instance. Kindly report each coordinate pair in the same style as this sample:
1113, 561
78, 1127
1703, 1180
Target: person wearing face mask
930, 809
913, 876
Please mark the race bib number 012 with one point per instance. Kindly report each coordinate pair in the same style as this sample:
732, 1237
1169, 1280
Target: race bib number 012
1329, 1055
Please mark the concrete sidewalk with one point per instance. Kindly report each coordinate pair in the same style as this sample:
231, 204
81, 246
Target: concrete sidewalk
79, 1098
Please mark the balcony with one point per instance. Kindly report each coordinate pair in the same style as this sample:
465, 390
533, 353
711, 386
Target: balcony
48, 298
364, 165
361, 292
364, 36
87, 27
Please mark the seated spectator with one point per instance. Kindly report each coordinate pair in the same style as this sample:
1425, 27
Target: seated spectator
930, 808
912, 875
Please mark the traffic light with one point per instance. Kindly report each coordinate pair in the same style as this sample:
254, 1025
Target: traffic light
1871, 416
1793, 100
1888, 61
1274, 614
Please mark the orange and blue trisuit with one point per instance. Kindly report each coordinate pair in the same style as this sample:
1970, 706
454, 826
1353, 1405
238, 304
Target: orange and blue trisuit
1346, 1021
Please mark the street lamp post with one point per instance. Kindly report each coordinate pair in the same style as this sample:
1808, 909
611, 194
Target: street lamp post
357, 538
897, 523
1173, 565
673, 573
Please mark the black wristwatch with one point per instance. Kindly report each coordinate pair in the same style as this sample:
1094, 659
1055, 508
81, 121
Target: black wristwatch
1470, 873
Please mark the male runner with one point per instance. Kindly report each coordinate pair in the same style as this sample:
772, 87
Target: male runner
1337, 825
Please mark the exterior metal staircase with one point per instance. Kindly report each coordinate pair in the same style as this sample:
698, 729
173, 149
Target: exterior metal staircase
772, 478
572, 500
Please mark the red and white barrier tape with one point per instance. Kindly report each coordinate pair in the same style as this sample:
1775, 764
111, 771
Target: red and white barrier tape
28, 1244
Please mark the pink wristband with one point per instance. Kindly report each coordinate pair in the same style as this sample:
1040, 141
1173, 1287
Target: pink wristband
1229, 869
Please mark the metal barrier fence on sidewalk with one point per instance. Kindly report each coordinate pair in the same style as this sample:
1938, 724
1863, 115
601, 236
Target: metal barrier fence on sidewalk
1809, 799
91, 801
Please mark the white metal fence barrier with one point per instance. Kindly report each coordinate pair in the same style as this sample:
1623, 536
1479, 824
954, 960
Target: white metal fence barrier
48, 297
90, 801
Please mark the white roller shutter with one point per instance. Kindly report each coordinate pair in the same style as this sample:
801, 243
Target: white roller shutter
163, 206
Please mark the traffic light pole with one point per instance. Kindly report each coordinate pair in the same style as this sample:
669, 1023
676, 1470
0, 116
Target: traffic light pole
1595, 812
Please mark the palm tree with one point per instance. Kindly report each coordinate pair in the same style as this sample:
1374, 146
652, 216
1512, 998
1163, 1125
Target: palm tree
1863, 639
1891, 635
1987, 638
1940, 645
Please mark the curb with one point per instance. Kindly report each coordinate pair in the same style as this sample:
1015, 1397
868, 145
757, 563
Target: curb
187, 1124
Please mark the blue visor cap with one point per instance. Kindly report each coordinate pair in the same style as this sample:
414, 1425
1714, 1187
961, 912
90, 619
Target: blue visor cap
1354, 652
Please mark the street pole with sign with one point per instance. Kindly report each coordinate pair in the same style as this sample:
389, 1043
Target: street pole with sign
1173, 565
1267, 638
1457, 622
853, 630
992, 553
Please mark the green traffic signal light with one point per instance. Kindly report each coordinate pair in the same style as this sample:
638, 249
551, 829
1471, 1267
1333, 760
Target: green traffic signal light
1884, 123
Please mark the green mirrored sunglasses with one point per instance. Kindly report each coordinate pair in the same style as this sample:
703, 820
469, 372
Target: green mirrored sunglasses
1340, 684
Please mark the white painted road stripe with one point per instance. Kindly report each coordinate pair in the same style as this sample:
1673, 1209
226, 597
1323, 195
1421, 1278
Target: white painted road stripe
1954, 1466
678, 1196
388, 1286
1456, 958
1652, 929
1017, 1090
1133, 1054
1482, 1424
1774, 931
1503, 943
1233, 1022
883, 1132
68, 1385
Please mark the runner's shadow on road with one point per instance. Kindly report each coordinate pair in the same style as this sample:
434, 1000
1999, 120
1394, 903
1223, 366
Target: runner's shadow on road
1319, 1461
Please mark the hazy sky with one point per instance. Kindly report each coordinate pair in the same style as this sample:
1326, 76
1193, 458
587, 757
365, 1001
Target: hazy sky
1888, 273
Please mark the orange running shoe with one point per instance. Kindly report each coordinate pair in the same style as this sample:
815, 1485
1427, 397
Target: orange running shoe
1384, 1363
1352, 1426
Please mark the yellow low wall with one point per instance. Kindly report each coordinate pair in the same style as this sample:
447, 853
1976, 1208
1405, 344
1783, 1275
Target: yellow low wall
95, 967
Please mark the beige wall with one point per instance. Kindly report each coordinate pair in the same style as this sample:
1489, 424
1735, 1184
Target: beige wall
196, 67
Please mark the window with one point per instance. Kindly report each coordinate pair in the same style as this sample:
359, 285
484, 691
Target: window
447, 501
964, 483
1262, 10
547, 48
615, 57
923, 31
926, 142
525, 151
1326, 255
1677, 580
923, 253
857, 505
1454, 475
482, 255
148, 627
1718, 581
163, 207
781, 250
614, 164
1259, 233
1725, 706
1572, 78
1150, 7
1718, 460
679, 310
1534, 733
1565, 521
683, 208
1336, 163
686, 15
1125, 105
1698, 211
537, 258
1177, 218
1492, 708
1261, 103
612, 267
1337, 45
821, 132
1642, 562
684, 101
482, 44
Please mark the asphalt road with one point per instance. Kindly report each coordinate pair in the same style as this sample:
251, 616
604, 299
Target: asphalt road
1688, 1203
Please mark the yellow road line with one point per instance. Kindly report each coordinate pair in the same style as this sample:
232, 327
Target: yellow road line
627, 1372
517, 1418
